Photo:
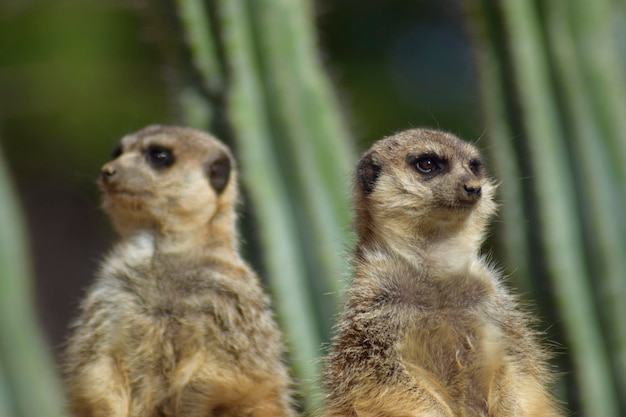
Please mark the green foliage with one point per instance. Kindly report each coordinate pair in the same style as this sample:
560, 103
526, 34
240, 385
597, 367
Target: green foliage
557, 78
28, 383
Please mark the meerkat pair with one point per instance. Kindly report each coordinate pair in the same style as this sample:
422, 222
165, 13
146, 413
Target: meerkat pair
177, 324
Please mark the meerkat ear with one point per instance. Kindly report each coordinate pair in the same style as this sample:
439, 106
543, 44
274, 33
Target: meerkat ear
218, 172
367, 173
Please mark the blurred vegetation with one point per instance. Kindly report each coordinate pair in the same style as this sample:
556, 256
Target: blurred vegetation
552, 73
75, 75
28, 383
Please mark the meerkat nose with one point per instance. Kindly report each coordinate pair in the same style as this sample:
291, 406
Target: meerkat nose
107, 172
472, 189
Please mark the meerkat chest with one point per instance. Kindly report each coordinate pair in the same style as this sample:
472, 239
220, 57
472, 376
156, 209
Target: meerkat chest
460, 351
460, 339
170, 310
150, 316
161, 333
149, 308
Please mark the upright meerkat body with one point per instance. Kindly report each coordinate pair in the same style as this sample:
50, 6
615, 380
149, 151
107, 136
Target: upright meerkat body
428, 328
176, 323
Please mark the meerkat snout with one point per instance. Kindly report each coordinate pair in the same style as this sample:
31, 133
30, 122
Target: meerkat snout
107, 173
472, 189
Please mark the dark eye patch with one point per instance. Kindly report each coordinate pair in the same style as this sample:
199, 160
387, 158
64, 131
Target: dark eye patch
159, 157
426, 164
117, 151
476, 166
218, 172
367, 174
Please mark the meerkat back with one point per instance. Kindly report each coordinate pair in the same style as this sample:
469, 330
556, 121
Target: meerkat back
428, 328
176, 324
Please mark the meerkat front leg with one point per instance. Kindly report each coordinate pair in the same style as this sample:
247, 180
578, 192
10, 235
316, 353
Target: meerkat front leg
100, 390
426, 402
519, 395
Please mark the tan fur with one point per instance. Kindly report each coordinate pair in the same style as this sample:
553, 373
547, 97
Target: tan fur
428, 328
176, 323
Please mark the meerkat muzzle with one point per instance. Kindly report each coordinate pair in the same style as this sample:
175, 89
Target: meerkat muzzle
472, 189
107, 173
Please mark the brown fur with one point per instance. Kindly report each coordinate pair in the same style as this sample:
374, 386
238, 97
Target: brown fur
176, 323
429, 329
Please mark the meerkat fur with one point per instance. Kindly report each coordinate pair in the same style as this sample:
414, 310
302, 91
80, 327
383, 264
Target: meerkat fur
429, 329
176, 324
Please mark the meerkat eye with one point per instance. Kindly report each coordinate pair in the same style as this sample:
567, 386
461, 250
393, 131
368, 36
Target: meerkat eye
426, 164
117, 152
159, 157
475, 165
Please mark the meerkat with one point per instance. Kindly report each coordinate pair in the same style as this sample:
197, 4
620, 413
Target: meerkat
176, 323
429, 329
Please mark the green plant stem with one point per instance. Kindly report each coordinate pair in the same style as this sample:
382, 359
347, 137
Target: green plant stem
6, 404
607, 245
202, 48
284, 263
26, 363
291, 50
309, 116
555, 198
598, 59
514, 234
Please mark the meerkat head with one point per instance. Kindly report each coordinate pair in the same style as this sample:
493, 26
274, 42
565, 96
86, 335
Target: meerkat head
168, 179
423, 182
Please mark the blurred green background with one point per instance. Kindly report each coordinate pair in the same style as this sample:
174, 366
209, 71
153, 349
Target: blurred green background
299, 89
